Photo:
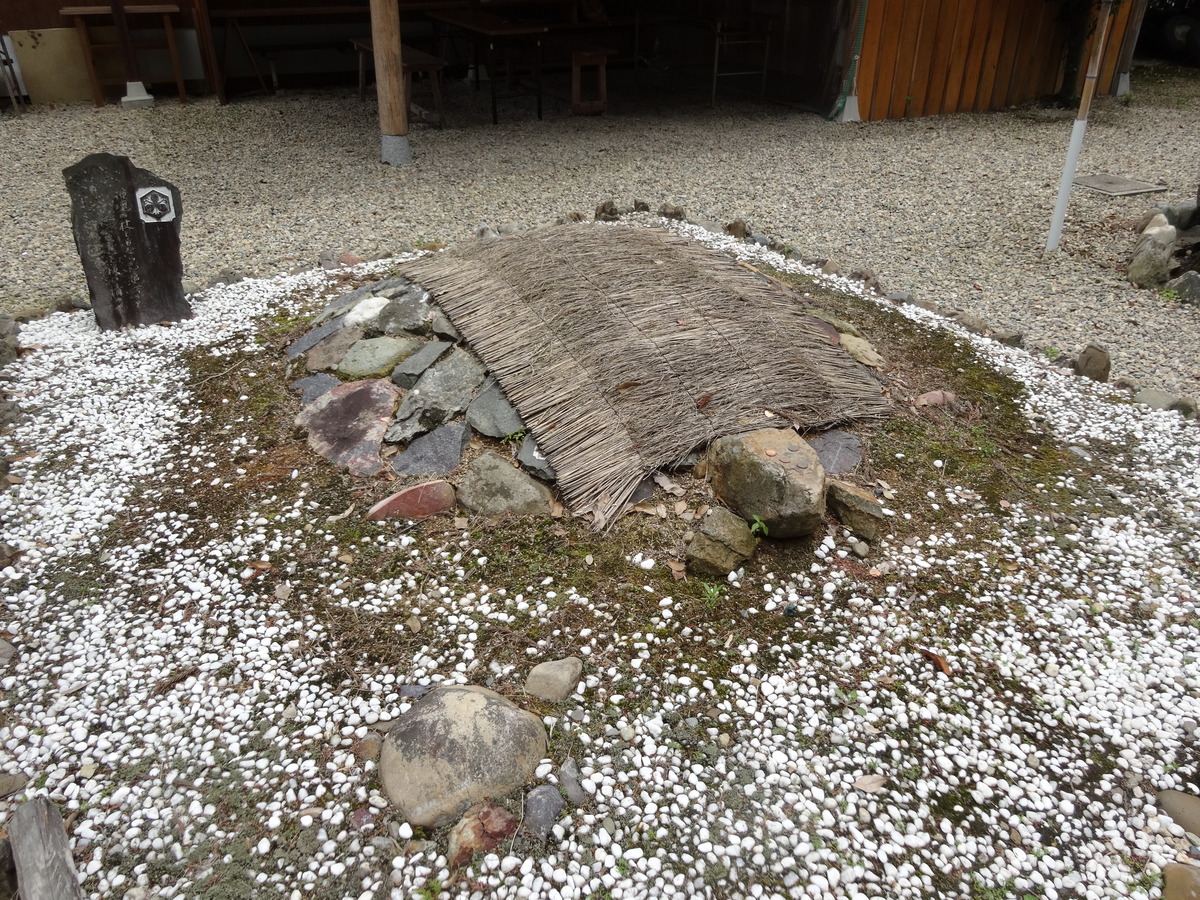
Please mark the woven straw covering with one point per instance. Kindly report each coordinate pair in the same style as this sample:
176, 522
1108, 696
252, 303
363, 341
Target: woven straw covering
625, 348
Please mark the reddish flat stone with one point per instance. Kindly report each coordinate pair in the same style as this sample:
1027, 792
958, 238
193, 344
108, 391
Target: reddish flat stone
417, 502
346, 425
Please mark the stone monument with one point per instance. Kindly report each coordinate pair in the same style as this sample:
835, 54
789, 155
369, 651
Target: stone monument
126, 225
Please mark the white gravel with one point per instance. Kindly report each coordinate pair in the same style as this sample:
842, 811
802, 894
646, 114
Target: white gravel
1074, 695
953, 208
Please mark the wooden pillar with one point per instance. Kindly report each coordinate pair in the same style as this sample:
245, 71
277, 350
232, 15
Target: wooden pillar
135, 92
1132, 30
389, 82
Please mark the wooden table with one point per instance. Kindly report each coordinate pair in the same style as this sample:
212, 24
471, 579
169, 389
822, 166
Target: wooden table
492, 29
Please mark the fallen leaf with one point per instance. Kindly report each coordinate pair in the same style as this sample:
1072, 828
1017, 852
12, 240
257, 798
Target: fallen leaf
1005, 504
687, 515
871, 729
938, 661
259, 564
646, 509
342, 515
556, 509
661, 510
1009, 566
869, 784
873, 572
667, 484
680, 506
678, 569
283, 591
414, 624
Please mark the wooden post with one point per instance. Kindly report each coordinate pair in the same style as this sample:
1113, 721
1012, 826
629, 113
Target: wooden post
135, 91
1132, 30
389, 82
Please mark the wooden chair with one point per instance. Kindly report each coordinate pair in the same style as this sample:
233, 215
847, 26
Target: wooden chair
81, 13
412, 60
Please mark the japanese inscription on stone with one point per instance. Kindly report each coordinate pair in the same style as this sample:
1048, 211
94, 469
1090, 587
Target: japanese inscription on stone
126, 223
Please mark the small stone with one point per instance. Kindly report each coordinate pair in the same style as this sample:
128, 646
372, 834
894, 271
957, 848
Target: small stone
543, 805
1094, 363
314, 386
493, 487
1155, 399
671, 211
737, 229
407, 372
376, 357
7, 652
855, 508
436, 453
1009, 338
491, 414
532, 459
329, 351
570, 779
556, 680
369, 747
723, 543
1186, 287
970, 322
860, 549
607, 211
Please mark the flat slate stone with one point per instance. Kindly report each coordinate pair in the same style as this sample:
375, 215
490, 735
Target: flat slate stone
417, 502
543, 806
346, 424
313, 386
329, 352
491, 414
376, 357
439, 395
405, 374
314, 337
531, 458
839, 451
436, 453
410, 312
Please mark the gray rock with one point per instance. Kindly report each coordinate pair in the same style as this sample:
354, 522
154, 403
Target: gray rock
507, 229
900, 297
328, 259
671, 211
365, 313
377, 357
571, 780
486, 232
1183, 808
129, 250
10, 413
1181, 214
970, 321
839, 451
406, 374
329, 352
346, 301
607, 211
641, 206
491, 414
10, 784
1009, 338
313, 386
493, 487
409, 312
856, 509
555, 680
459, 745
861, 549
1155, 399
1128, 383
1093, 362
441, 393
772, 474
226, 276
738, 229
436, 453
7, 652
1150, 266
441, 325
532, 459
346, 424
314, 337
1186, 286
759, 239
543, 806
721, 544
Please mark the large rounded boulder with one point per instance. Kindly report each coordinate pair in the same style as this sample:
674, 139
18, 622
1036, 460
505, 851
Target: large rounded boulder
457, 746
772, 475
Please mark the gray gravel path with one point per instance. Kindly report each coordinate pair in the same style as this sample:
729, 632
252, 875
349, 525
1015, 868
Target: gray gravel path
954, 209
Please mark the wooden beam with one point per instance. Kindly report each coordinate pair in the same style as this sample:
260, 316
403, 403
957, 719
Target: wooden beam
389, 82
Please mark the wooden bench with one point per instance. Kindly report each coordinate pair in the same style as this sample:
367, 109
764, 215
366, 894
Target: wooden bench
89, 47
412, 60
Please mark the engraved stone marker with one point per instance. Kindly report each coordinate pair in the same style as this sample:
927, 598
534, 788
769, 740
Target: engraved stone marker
126, 223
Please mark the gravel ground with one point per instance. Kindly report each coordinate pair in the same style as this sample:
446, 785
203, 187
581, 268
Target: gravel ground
952, 208
184, 717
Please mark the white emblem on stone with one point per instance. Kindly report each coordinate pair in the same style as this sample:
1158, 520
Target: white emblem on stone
155, 205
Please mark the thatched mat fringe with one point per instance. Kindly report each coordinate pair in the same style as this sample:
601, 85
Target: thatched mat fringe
625, 348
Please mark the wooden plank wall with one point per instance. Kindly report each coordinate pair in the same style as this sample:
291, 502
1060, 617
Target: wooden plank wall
928, 57
31, 14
